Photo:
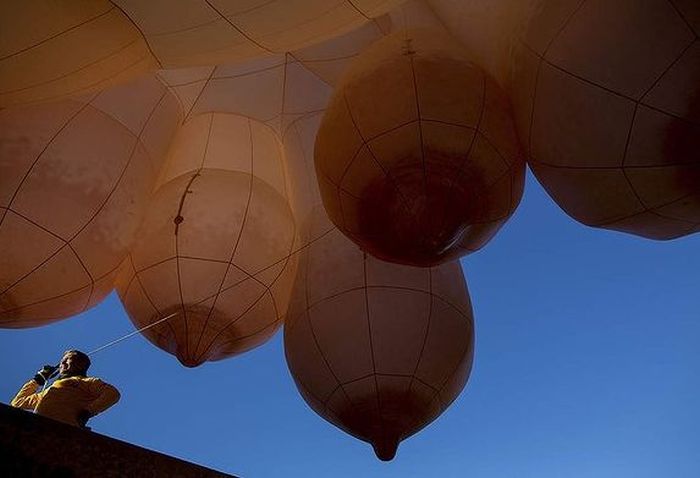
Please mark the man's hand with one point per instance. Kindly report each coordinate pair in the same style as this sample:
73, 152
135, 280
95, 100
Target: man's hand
83, 417
46, 373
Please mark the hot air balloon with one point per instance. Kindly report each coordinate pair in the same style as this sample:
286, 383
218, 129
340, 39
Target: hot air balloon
216, 244
377, 349
608, 103
417, 157
75, 180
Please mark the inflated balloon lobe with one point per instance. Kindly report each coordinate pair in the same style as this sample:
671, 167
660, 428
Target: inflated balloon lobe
216, 244
53, 49
417, 157
76, 177
607, 96
378, 349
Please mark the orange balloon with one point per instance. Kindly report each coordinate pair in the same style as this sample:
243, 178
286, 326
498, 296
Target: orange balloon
608, 103
75, 180
54, 48
216, 244
184, 33
51, 49
379, 350
488, 29
417, 157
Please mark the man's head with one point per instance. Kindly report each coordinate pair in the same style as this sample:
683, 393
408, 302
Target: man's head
74, 362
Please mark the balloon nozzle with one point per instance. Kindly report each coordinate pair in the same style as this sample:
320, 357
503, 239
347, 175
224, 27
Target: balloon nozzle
385, 449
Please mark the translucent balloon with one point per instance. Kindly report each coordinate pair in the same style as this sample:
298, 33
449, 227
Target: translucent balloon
417, 157
75, 180
216, 245
608, 103
276, 90
330, 59
52, 49
380, 350
184, 33
489, 29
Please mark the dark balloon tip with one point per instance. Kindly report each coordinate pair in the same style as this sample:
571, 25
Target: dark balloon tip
385, 450
190, 362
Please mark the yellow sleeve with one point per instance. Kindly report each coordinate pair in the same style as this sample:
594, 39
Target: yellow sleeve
106, 396
27, 398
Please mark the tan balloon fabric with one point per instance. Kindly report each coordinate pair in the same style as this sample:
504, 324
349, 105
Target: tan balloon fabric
285, 92
216, 245
209, 32
417, 157
380, 350
489, 29
328, 60
75, 179
227, 141
275, 90
608, 102
52, 49
298, 142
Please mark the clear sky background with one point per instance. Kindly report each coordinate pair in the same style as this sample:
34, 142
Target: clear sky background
587, 365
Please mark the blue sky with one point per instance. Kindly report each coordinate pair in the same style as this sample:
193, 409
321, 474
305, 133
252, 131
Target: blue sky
587, 366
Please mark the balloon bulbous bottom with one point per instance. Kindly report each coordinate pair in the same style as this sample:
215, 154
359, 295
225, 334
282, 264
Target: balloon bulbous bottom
385, 450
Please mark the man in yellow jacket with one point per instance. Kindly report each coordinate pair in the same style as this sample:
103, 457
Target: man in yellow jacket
73, 398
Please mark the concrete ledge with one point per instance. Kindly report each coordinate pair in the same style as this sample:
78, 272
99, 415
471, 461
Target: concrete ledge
31, 445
